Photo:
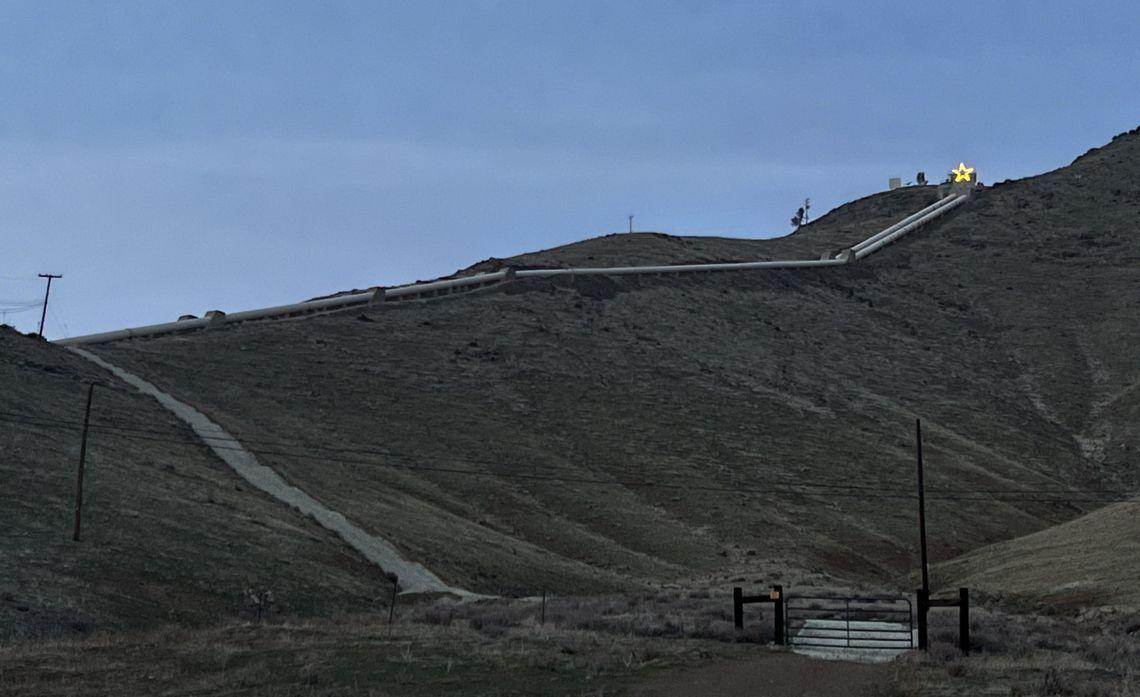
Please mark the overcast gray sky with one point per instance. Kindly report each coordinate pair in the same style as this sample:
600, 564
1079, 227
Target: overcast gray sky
179, 157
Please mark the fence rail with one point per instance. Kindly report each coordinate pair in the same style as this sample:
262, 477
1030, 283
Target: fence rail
879, 622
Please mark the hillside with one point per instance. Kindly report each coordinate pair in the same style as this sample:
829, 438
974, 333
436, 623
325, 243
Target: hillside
168, 532
841, 227
608, 431
1087, 561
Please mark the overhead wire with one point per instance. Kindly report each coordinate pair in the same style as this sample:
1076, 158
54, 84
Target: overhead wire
251, 443
131, 434
387, 452
289, 449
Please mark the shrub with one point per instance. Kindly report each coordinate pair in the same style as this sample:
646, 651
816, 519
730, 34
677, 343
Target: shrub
957, 667
1116, 652
439, 614
943, 652
991, 633
1058, 683
1053, 683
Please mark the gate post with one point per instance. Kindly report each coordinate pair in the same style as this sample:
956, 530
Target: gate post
923, 606
738, 607
778, 612
964, 619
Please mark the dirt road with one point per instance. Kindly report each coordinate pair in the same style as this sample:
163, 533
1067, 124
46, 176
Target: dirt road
780, 675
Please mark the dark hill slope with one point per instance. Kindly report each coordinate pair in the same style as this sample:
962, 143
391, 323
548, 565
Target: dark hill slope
1049, 268
168, 531
716, 405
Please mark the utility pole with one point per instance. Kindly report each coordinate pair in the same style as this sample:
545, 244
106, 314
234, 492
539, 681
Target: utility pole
921, 506
392, 603
924, 592
631, 223
82, 463
43, 315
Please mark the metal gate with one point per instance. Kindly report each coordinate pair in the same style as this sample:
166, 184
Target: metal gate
867, 622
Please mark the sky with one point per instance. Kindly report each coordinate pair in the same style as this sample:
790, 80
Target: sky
172, 158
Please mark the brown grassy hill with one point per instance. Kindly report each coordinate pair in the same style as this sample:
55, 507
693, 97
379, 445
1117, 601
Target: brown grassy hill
168, 531
1087, 561
636, 428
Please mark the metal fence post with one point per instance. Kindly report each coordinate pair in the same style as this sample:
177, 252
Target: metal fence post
964, 619
923, 606
778, 604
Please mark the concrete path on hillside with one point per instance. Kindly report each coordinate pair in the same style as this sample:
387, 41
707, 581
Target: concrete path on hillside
413, 577
773, 675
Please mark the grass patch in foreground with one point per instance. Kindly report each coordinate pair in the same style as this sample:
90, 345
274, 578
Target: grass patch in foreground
351, 657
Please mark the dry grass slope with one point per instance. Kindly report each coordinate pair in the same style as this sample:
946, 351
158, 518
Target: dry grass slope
169, 533
713, 400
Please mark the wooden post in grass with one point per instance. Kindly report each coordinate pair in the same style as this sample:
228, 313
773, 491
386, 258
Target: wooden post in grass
775, 596
392, 603
964, 620
923, 603
738, 607
778, 602
82, 464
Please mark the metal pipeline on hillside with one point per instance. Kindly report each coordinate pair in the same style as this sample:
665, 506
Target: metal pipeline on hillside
884, 240
678, 268
474, 282
904, 222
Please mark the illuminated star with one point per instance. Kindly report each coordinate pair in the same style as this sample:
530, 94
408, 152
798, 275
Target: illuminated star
962, 174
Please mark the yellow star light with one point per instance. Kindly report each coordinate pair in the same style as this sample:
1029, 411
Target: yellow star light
962, 174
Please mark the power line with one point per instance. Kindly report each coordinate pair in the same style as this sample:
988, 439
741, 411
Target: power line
290, 451
844, 490
197, 441
15, 306
197, 438
327, 449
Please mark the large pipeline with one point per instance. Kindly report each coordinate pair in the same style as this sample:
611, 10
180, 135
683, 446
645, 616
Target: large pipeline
884, 240
904, 222
677, 268
474, 282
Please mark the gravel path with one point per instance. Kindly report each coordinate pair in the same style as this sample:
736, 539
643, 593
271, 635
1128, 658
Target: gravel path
414, 578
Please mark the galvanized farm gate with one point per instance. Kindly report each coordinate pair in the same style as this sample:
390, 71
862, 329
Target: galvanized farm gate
867, 622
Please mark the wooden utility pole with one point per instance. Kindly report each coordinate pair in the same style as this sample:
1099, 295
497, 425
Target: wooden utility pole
921, 507
43, 315
923, 595
631, 223
392, 602
82, 463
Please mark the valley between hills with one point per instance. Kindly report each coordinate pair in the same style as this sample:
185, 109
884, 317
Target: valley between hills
621, 437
